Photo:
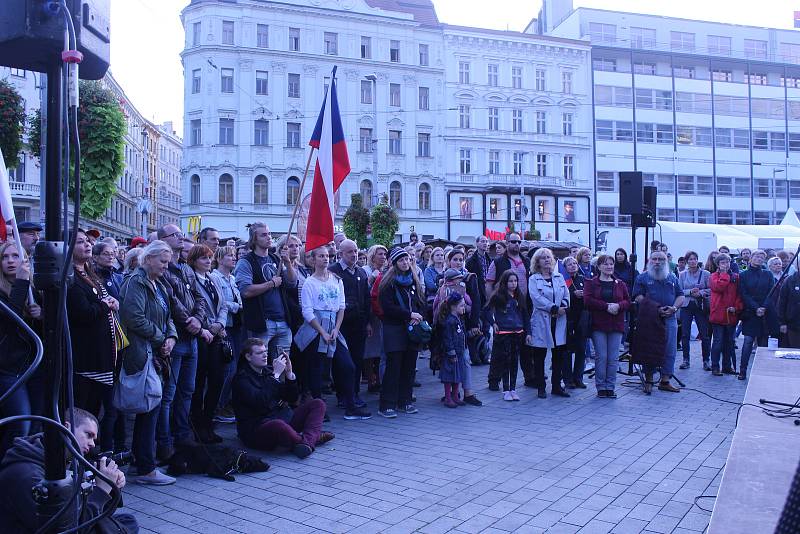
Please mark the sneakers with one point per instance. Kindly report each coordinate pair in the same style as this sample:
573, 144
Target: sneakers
507, 396
301, 450
154, 478
225, 415
388, 413
356, 414
408, 408
514, 396
610, 394
472, 400
359, 403
684, 365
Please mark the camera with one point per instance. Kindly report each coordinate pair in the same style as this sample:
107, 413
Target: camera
120, 458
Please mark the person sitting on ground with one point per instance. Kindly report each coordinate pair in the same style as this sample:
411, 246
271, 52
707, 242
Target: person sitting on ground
262, 391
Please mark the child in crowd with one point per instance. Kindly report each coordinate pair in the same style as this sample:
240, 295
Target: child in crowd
454, 343
507, 313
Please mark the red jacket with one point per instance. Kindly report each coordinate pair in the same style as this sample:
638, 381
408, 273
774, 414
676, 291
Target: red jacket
593, 301
724, 295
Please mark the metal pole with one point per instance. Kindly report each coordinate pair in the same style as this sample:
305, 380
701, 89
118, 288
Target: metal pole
144, 209
43, 142
375, 131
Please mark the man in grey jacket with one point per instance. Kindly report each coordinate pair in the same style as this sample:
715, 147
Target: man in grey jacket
694, 281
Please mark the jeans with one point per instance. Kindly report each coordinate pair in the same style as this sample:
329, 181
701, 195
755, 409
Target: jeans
236, 337
606, 346
356, 338
176, 399
723, 346
573, 370
398, 380
466, 378
277, 335
304, 427
144, 441
17, 404
689, 312
209, 379
670, 349
343, 372
747, 349
112, 426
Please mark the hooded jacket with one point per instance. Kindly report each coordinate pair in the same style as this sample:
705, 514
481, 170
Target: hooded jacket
724, 295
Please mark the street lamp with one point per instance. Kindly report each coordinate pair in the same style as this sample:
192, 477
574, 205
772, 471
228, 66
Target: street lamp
374, 79
775, 171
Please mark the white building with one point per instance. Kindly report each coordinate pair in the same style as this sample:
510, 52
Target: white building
709, 112
168, 169
255, 77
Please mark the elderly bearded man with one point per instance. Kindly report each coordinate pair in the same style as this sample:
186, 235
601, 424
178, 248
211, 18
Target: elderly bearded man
661, 286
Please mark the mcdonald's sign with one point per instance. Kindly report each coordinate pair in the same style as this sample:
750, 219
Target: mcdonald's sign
193, 226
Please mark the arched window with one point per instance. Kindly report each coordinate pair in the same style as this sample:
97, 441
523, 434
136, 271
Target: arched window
194, 193
226, 189
260, 189
424, 197
292, 190
395, 195
366, 193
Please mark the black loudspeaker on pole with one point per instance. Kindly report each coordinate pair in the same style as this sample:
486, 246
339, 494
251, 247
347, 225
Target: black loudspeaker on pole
630, 192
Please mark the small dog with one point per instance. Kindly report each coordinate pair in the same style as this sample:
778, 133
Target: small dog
217, 461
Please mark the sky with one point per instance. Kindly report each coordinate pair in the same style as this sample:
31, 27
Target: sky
147, 36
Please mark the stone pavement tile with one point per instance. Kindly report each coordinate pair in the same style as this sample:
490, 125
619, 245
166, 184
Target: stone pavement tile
695, 483
363, 511
565, 504
663, 524
370, 527
562, 528
643, 511
596, 527
579, 516
686, 495
322, 524
612, 490
541, 483
465, 511
613, 514
441, 525
546, 518
406, 527
695, 521
477, 523
628, 500
629, 525
512, 521
659, 498
501, 509
582, 492
597, 502
432, 512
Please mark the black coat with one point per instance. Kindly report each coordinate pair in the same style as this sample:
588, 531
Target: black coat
259, 397
789, 303
473, 265
90, 328
754, 285
396, 316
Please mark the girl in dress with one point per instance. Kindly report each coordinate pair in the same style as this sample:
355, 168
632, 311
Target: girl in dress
454, 343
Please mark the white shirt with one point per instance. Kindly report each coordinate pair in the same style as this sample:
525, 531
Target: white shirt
319, 295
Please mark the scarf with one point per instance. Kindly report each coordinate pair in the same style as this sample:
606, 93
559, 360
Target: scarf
404, 279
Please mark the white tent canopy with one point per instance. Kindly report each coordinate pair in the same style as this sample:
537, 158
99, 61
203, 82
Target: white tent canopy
706, 237
790, 219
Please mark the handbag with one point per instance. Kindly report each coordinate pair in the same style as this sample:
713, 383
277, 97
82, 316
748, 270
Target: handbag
222, 348
138, 392
420, 333
120, 339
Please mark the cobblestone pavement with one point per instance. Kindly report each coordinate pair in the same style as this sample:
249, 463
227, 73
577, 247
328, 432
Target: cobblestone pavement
583, 464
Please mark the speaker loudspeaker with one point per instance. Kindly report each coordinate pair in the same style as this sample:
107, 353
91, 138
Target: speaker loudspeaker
647, 219
630, 192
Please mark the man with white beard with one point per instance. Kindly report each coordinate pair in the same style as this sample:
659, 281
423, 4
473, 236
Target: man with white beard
661, 286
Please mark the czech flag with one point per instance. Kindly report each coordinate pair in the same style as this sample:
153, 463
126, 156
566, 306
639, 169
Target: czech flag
797, 19
6, 206
333, 166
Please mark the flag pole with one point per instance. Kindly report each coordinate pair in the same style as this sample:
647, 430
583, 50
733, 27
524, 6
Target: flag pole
300, 195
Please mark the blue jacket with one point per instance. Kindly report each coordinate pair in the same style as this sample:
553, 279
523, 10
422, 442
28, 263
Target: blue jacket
454, 338
510, 318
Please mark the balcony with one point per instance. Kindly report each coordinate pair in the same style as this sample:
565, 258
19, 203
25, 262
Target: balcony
25, 190
515, 180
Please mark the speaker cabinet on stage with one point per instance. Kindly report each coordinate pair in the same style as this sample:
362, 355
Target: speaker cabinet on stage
32, 34
647, 219
630, 192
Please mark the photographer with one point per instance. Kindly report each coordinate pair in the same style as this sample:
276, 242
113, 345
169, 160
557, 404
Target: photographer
23, 468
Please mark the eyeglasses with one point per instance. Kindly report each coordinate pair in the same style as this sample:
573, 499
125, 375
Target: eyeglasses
174, 234
107, 254
514, 241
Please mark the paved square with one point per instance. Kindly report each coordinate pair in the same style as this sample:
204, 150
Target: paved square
577, 465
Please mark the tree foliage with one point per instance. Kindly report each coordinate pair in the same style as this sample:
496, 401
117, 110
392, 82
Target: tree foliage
356, 221
384, 223
12, 123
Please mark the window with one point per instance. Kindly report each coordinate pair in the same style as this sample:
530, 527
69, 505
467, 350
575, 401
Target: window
194, 189
777, 141
604, 130
366, 193
463, 72
226, 131
394, 94
540, 80
261, 132
365, 139
686, 216
196, 136
566, 82
463, 116
760, 140
644, 132
465, 160
755, 49
794, 142
226, 80
292, 191
623, 131
494, 162
262, 36
366, 47
424, 145
196, 33
602, 33
741, 187
685, 185
741, 138
260, 189
331, 43
569, 167
606, 181
424, 55
494, 119
491, 74
644, 98
604, 64
790, 81
516, 77
516, 120
762, 188
643, 67
395, 195
424, 98
541, 164
718, 44
721, 75
606, 216
395, 142
643, 37
703, 136
262, 82
424, 197
294, 39
195, 81
293, 89
226, 189
705, 186
366, 92
755, 78
518, 160
722, 137
394, 51
292, 135
566, 123
541, 122
761, 217
227, 32
682, 41
683, 71
790, 52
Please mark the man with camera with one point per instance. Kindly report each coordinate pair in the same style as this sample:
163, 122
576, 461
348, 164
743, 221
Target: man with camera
23, 468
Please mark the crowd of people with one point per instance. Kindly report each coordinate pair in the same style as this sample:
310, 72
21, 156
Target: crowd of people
189, 334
